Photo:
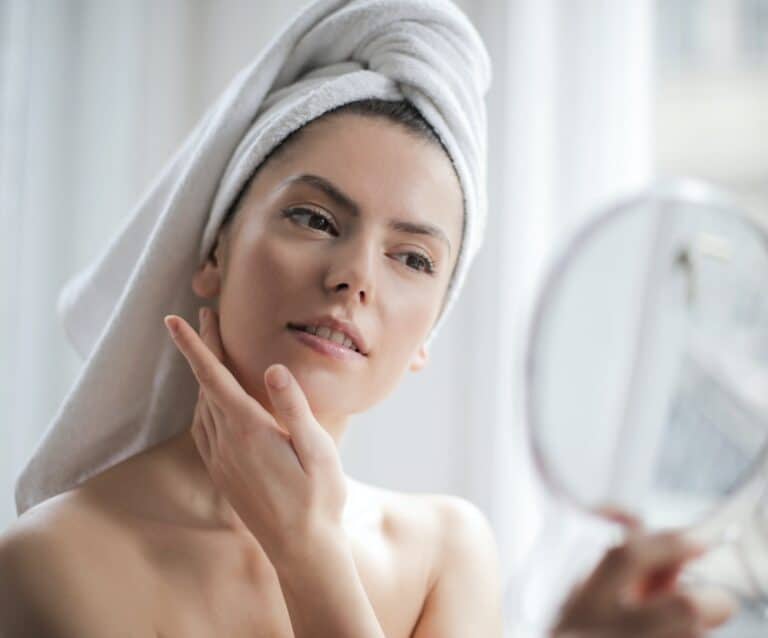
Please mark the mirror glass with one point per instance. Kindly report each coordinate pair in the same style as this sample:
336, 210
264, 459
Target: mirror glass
647, 362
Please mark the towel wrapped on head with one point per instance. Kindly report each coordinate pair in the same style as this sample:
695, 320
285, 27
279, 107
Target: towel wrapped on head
135, 389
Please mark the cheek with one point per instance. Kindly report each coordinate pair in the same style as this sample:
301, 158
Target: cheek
410, 313
272, 271
262, 293
259, 295
406, 325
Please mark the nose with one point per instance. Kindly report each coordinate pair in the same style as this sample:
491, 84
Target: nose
351, 272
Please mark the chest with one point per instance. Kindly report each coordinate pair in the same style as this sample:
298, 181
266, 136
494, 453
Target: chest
206, 589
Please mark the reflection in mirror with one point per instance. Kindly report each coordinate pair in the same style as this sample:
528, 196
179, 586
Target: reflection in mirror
648, 352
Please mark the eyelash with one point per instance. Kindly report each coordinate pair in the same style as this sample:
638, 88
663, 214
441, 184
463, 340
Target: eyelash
292, 213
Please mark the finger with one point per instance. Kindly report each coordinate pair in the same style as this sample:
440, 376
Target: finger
645, 562
202, 443
713, 605
671, 615
292, 411
663, 550
656, 582
199, 434
210, 332
621, 516
220, 385
210, 424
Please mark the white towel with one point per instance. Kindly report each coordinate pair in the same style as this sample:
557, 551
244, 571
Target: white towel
135, 389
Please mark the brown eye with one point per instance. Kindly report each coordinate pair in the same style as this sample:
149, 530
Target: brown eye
420, 262
315, 220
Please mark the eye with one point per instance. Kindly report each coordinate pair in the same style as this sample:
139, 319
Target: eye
420, 260
315, 220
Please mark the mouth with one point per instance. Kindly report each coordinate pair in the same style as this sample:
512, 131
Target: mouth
327, 341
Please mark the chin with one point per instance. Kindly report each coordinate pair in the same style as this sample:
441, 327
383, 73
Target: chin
329, 396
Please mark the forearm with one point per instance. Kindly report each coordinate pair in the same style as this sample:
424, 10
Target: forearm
323, 591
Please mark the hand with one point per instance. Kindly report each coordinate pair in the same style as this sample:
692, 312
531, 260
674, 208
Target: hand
633, 593
281, 473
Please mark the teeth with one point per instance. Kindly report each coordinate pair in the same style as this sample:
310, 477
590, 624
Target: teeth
332, 335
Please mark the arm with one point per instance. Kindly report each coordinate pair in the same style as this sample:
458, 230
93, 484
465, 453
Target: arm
323, 591
325, 596
465, 597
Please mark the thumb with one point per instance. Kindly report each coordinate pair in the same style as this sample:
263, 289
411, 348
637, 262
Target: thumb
292, 410
714, 605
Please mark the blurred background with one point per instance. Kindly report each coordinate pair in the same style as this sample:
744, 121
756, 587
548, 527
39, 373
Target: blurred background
589, 101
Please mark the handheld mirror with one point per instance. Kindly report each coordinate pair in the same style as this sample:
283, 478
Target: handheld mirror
647, 361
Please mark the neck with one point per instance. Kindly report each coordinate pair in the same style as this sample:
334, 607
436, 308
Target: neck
190, 481
199, 495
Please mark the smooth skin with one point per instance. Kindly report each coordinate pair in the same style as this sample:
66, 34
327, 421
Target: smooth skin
154, 546
244, 524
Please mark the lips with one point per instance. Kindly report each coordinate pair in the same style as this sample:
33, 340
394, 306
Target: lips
326, 346
347, 328
323, 332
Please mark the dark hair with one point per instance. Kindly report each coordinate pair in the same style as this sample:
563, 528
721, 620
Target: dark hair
400, 112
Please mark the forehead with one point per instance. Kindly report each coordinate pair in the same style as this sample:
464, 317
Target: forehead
386, 169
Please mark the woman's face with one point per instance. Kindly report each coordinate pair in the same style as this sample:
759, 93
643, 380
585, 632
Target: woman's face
293, 253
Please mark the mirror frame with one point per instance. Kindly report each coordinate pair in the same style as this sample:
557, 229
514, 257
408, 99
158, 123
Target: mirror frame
718, 522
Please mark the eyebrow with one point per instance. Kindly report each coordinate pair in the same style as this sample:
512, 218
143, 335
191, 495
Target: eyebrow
353, 208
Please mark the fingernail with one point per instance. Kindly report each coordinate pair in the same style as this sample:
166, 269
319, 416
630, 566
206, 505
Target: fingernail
170, 323
278, 377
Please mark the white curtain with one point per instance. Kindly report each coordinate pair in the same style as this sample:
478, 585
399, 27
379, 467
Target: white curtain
95, 97
570, 117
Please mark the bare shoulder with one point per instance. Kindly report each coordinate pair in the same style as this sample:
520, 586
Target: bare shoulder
61, 572
71, 524
457, 514
464, 593
442, 519
464, 537
456, 529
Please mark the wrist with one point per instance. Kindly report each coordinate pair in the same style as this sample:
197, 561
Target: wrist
322, 588
313, 545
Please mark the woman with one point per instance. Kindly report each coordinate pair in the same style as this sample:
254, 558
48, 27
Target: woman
289, 254
324, 280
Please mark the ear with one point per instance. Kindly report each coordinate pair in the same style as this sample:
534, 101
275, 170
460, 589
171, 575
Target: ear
419, 359
206, 282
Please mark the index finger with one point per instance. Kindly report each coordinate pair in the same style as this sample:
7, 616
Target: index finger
220, 384
661, 550
621, 516
646, 563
